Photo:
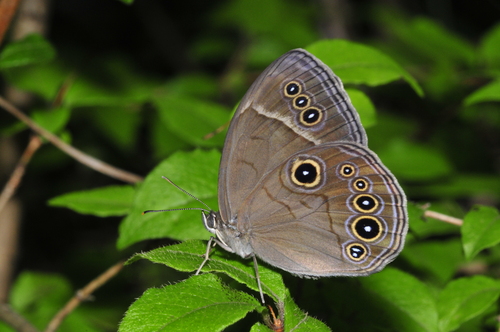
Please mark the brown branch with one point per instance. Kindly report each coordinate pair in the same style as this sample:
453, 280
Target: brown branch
18, 173
443, 217
10, 220
82, 295
83, 158
14, 319
7, 11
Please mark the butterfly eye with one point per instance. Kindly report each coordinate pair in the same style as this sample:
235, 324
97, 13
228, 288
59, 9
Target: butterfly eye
301, 101
361, 184
365, 203
356, 252
292, 89
306, 172
367, 228
346, 170
310, 116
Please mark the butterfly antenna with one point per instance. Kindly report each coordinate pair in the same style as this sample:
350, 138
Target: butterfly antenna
208, 209
181, 209
187, 193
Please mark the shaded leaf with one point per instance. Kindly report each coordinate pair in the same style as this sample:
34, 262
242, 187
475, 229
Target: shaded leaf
364, 106
32, 49
465, 298
489, 92
52, 120
43, 79
191, 119
414, 161
118, 123
38, 297
462, 185
441, 259
490, 48
102, 202
481, 230
285, 21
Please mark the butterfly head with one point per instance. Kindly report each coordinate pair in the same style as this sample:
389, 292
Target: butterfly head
227, 235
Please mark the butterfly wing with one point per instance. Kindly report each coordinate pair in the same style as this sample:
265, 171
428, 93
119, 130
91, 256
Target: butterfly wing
333, 209
297, 102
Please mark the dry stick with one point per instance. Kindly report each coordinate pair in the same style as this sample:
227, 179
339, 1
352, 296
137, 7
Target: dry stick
15, 320
82, 295
18, 173
443, 217
85, 159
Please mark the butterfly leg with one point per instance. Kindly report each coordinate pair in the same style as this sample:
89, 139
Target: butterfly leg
211, 242
256, 268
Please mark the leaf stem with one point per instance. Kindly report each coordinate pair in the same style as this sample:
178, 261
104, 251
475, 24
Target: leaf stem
443, 217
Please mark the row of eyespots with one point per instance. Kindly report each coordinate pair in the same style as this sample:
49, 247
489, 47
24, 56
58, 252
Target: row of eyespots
309, 115
365, 228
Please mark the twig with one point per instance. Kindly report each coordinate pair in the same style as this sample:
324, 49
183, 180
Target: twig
83, 158
443, 217
7, 11
14, 319
10, 220
11, 185
82, 295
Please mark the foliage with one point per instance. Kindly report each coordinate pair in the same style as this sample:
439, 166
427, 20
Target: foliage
436, 127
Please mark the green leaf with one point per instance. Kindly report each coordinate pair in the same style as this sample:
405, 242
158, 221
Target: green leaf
110, 82
38, 297
423, 37
102, 202
405, 299
85, 92
446, 258
32, 49
194, 85
430, 38
285, 21
490, 48
259, 327
200, 303
164, 142
414, 161
464, 299
119, 124
364, 106
489, 92
462, 185
42, 79
188, 256
53, 120
359, 64
298, 321
191, 119
481, 230
196, 172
